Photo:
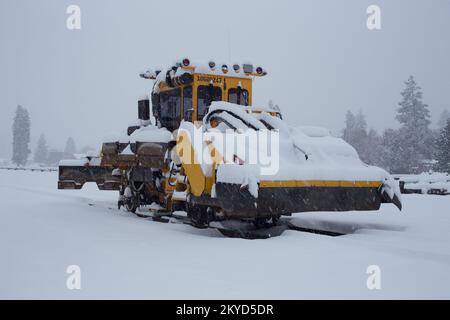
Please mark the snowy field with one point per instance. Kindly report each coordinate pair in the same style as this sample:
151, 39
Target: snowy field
43, 231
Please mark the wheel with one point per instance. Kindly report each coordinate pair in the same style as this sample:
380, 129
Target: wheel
260, 223
132, 204
275, 220
198, 215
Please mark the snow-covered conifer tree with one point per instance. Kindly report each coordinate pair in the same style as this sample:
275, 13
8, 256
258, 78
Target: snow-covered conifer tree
442, 122
41, 152
355, 133
70, 146
443, 149
21, 136
416, 138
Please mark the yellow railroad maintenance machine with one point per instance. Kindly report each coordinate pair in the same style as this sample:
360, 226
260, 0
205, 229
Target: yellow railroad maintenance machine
159, 170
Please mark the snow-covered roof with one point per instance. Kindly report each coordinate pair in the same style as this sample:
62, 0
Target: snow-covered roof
227, 69
235, 70
203, 67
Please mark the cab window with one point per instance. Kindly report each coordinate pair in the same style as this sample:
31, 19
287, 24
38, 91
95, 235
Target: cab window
187, 103
238, 96
205, 96
170, 102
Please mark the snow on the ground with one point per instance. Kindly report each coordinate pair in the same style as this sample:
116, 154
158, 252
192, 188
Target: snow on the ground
43, 231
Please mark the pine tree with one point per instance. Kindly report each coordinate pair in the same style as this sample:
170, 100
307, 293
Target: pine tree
443, 149
350, 123
355, 133
445, 115
374, 152
21, 136
415, 135
41, 152
70, 146
392, 147
413, 112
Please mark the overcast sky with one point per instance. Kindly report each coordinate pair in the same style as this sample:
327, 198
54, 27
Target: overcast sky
321, 58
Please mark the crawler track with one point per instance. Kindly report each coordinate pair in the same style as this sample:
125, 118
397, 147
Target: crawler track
234, 229
245, 230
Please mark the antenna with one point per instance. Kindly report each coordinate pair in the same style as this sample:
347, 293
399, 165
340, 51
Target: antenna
229, 45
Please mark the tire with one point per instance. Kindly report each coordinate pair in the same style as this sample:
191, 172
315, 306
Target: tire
198, 215
132, 205
260, 223
275, 220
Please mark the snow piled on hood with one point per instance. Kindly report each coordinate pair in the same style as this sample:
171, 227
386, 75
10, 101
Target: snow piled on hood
305, 153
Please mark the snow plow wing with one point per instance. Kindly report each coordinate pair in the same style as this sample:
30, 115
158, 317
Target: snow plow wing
120, 155
287, 197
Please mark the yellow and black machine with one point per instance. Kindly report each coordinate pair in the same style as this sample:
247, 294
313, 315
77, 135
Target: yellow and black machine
156, 165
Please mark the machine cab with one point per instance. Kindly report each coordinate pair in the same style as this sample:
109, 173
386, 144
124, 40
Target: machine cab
185, 91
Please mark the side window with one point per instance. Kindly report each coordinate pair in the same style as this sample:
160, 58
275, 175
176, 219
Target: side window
206, 95
170, 102
187, 103
236, 98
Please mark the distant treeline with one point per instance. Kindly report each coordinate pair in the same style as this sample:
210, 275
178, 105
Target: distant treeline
42, 155
414, 147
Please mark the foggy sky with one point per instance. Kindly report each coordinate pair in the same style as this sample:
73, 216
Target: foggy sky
321, 58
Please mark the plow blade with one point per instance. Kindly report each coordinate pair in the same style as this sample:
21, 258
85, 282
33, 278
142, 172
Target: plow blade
74, 177
395, 199
282, 200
